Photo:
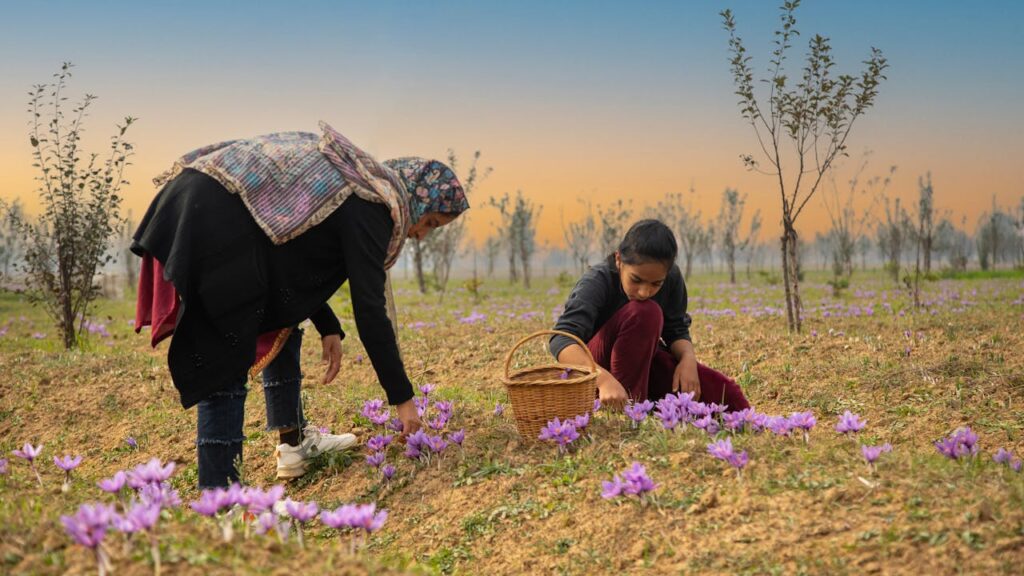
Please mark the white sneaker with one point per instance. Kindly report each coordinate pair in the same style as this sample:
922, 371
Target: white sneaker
292, 460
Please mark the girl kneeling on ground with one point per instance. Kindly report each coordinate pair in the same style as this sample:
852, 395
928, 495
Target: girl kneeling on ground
631, 311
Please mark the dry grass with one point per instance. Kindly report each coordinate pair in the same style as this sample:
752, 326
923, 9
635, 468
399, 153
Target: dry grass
505, 506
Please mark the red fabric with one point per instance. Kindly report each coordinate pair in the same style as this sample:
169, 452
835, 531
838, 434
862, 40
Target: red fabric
627, 346
157, 302
157, 305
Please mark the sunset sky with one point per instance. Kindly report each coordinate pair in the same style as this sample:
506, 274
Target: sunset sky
566, 100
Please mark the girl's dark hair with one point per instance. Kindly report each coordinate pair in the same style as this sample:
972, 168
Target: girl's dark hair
648, 241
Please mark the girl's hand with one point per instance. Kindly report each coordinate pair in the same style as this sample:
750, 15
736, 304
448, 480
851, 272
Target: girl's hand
611, 392
332, 356
685, 377
410, 419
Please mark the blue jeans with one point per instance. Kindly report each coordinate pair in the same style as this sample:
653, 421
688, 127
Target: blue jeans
222, 414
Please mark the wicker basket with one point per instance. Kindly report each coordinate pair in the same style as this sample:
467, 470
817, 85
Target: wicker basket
539, 394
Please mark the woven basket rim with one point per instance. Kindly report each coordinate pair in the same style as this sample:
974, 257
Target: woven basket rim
587, 375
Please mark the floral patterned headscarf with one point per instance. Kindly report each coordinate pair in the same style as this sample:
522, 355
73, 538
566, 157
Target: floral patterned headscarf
432, 186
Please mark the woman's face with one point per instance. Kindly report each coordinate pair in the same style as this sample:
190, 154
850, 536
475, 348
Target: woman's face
641, 281
428, 222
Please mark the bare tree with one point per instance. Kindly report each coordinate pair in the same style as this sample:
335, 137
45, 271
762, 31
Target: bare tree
580, 236
848, 223
507, 232
892, 235
10, 240
614, 221
729, 215
812, 119
443, 243
524, 221
68, 243
750, 245
925, 222
492, 247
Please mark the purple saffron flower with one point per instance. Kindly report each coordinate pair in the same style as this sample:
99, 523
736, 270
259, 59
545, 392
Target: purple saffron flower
565, 374
612, 488
115, 484
962, 443
3, 466
444, 407
395, 424
597, 404
379, 443
707, 423
721, 449
152, 472
67, 463
457, 437
209, 503
426, 389
499, 409
139, 518
421, 403
261, 501
637, 481
849, 423
28, 452
562, 433
375, 459
301, 511
355, 516
872, 453
436, 444
89, 526
637, 412
738, 460
160, 495
632, 482
132, 443
1003, 456
582, 421
438, 422
388, 471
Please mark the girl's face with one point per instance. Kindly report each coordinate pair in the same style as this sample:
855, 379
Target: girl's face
641, 281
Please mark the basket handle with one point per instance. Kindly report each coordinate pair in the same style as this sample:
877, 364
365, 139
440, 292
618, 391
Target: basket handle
508, 358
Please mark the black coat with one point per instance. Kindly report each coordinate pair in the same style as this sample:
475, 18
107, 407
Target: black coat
235, 284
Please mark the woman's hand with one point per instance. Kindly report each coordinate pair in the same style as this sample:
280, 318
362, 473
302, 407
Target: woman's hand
410, 419
685, 377
332, 356
611, 393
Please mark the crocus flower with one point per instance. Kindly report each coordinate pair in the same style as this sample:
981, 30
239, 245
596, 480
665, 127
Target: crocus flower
375, 459
634, 481
152, 472
499, 409
387, 471
379, 443
849, 423
738, 460
356, 516
1004, 456
638, 411
3, 466
209, 503
457, 437
565, 374
161, 495
426, 389
89, 527
872, 453
421, 403
707, 423
597, 404
438, 422
395, 424
301, 512
581, 421
132, 443
803, 421
67, 464
115, 484
562, 433
962, 443
720, 449
29, 453
444, 407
